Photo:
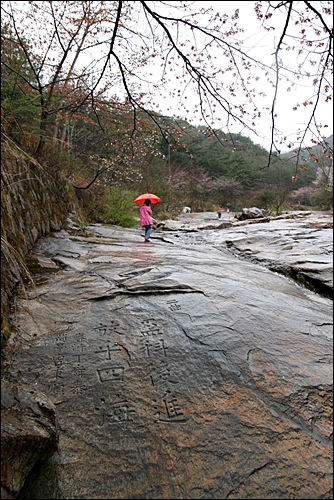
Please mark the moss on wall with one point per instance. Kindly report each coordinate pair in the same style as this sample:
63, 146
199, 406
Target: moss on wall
33, 203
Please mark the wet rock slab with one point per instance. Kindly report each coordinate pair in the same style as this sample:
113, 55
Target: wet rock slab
177, 369
299, 245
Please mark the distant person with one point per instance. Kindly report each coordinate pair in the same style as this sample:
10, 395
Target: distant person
219, 212
228, 206
145, 219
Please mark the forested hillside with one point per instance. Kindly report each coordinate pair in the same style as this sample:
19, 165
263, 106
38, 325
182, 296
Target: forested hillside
189, 167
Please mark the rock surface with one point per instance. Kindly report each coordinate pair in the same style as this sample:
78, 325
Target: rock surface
183, 368
28, 434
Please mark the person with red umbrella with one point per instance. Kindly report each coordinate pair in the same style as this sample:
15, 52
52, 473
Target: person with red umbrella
146, 219
146, 212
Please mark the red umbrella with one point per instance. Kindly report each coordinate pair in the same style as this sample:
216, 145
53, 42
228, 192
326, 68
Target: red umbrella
147, 196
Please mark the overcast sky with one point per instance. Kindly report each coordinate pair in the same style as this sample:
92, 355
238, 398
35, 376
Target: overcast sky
262, 45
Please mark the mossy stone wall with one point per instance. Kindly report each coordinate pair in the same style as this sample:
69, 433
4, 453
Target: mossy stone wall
33, 203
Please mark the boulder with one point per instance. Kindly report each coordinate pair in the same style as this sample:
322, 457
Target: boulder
252, 213
28, 434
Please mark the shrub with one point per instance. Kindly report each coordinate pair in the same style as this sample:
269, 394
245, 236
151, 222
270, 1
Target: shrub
323, 199
92, 200
120, 209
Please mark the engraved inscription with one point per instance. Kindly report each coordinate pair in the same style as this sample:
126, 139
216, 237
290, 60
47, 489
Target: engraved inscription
106, 351
108, 328
58, 386
152, 345
173, 410
149, 347
173, 305
150, 327
110, 374
69, 373
117, 411
78, 387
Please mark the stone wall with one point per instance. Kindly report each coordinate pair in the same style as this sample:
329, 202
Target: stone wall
34, 202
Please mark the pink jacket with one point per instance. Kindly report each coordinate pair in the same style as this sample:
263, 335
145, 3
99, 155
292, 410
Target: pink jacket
145, 216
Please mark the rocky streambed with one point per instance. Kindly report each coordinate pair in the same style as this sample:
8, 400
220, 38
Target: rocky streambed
196, 366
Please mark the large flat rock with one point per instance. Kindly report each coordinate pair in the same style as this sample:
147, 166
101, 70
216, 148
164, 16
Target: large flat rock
178, 369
